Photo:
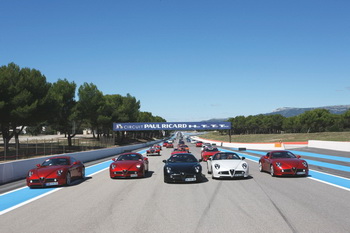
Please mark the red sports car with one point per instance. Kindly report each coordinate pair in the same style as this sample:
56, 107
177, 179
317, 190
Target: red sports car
58, 170
153, 151
199, 144
129, 165
208, 152
283, 163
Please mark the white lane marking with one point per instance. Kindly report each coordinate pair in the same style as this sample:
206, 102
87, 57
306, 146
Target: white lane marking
28, 201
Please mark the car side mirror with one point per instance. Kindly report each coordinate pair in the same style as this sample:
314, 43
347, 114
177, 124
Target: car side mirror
200, 160
38, 165
114, 159
298, 156
243, 158
75, 163
164, 161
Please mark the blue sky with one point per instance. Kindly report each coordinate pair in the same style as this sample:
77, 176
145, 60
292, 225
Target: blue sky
188, 60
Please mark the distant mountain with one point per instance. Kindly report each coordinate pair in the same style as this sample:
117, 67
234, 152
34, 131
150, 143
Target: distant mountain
216, 120
288, 111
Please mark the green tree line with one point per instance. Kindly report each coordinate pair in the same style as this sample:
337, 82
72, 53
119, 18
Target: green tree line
317, 120
27, 99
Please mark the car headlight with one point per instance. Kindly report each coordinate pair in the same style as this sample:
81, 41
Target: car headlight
30, 173
138, 166
168, 169
244, 165
59, 172
197, 169
113, 166
278, 164
217, 166
305, 164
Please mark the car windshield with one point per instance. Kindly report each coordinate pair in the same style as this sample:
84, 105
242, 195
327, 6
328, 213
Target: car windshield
182, 158
56, 161
282, 154
222, 156
129, 157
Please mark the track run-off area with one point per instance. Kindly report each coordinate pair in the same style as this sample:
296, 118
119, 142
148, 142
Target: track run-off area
260, 203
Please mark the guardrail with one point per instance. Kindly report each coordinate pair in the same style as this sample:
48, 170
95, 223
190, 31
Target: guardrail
16, 170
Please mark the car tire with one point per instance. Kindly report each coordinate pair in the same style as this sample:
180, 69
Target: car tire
272, 171
260, 167
209, 172
68, 179
83, 173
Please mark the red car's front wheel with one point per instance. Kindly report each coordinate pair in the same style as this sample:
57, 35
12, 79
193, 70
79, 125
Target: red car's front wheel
68, 179
272, 171
260, 167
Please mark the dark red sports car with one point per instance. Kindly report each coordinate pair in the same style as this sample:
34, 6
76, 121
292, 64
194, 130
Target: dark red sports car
283, 163
129, 165
199, 144
58, 170
208, 152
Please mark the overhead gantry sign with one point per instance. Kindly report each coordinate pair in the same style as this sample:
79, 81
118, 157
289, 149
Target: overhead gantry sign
171, 126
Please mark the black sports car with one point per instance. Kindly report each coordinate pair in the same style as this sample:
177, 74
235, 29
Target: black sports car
182, 167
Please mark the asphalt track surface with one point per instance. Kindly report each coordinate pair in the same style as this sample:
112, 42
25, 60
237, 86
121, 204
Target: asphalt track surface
260, 203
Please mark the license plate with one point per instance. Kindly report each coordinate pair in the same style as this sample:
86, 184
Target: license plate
300, 173
190, 179
238, 174
133, 175
51, 184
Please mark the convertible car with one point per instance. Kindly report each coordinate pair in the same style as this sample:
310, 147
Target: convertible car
128, 165
58, 170
153, 151
227, 165
182, 167
157, 146
283, 163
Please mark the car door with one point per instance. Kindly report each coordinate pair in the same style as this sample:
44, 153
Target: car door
267, 162
74, 167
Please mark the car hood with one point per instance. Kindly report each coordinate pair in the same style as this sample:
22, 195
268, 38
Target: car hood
126, 164
228, 164
291, 162
183, 167
46, 171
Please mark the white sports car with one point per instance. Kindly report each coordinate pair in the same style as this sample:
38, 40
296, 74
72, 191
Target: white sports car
227, 165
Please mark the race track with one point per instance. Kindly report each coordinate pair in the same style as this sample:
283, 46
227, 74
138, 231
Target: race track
259, 204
